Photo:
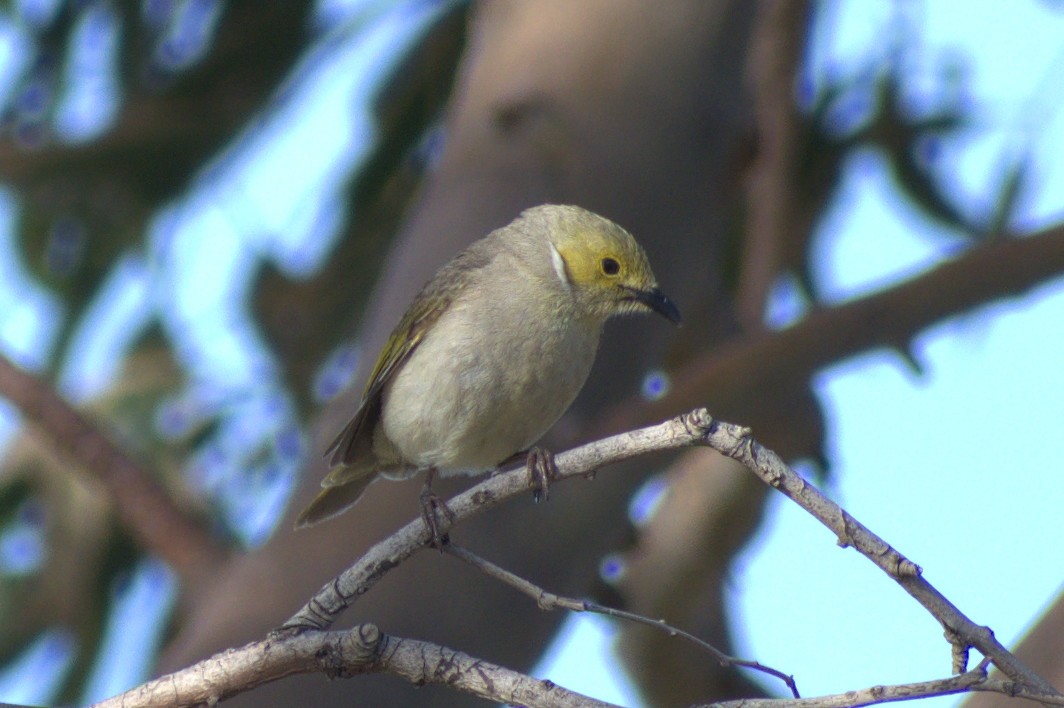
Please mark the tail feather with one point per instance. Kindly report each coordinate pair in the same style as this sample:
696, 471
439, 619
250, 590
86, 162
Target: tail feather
331, 501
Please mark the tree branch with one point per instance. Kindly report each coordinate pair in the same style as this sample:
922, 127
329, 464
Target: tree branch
735, 442
361, 650
550, 601
695, 428
340, 593
961, 683
302, 646
144, 507
974, 680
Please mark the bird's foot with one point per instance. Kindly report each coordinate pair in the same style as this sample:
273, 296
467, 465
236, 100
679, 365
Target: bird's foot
541, 472
431, 508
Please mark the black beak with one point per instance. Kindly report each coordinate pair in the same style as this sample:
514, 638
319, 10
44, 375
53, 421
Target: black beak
660, 303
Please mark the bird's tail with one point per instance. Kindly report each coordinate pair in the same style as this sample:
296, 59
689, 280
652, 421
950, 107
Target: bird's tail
334, 499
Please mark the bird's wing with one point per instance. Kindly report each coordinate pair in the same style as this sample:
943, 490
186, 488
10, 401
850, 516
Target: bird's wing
355, 441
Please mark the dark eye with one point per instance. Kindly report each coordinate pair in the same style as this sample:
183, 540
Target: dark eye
610, 266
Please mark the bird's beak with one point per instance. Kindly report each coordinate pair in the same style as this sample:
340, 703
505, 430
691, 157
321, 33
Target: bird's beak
660, 303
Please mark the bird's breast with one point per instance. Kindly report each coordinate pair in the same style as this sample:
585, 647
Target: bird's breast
487, 381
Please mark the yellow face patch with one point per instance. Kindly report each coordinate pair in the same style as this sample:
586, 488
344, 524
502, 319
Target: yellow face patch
597, 259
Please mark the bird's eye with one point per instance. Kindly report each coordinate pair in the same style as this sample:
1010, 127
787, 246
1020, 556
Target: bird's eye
610, 266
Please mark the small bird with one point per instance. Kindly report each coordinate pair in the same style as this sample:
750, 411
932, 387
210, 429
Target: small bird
489, 355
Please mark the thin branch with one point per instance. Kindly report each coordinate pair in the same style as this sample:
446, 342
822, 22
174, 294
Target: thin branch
550, 601
341, 592
695, 428
1018, 690
735, 442
144, 507
974, 680
361, 650
875, 694
302, 646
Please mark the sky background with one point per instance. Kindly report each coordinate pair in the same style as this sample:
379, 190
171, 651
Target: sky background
958, 466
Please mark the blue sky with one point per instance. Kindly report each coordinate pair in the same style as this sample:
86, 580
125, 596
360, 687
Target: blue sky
957, 467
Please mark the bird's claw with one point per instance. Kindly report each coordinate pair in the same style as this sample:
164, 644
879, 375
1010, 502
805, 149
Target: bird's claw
431, 506
541, 472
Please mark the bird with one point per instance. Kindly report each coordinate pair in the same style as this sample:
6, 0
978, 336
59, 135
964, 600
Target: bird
489, 354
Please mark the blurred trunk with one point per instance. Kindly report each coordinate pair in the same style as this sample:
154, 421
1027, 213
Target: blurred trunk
627, 108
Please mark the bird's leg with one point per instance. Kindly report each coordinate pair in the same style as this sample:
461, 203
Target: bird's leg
541, 469
431, 505
541, 472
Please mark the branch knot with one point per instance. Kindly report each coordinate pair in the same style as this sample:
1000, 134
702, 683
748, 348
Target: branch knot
697, 423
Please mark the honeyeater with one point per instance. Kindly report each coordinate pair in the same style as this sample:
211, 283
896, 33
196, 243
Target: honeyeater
491, 352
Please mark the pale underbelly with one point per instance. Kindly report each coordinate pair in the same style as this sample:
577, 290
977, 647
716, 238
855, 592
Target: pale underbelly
468, 416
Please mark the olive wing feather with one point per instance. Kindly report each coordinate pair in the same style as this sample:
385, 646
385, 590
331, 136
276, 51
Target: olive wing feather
355, 441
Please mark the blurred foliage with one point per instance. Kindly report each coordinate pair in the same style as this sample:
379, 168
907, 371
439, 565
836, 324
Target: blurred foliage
190, 77
85, 547
875, 105
305, 320
84, 204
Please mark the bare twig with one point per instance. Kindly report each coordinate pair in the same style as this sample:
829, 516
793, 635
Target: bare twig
340, 593
550, 601
974, 680
735, 442
875, 694
697, 427
1018, 690
694, 428
361, 650
144, 507
302, 646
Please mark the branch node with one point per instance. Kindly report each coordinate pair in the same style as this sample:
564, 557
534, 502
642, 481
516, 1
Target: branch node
775, 480
843, 538
1009, 688
697, 423
906, 568
959, 649
352, 653
369, 639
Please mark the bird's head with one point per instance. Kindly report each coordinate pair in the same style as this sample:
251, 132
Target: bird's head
604, 266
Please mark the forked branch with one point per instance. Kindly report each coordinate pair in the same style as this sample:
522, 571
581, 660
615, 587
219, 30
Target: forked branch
302, 645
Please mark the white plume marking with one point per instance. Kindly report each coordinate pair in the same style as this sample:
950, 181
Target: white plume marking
558, 262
